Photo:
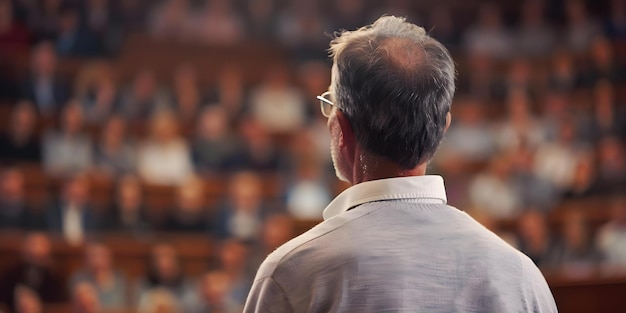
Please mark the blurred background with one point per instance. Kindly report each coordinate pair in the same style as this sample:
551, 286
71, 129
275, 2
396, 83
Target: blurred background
152, 153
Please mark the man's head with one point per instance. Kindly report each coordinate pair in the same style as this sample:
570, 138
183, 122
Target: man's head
392, 86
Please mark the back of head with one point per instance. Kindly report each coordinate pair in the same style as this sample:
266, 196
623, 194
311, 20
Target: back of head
395, 84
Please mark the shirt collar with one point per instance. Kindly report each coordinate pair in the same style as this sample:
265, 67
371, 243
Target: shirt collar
428, 189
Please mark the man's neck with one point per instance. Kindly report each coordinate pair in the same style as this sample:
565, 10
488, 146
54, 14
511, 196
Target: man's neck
367, 167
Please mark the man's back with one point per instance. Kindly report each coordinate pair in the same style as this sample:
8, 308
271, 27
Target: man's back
398, 256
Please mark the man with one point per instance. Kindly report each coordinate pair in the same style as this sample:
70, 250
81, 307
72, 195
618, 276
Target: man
390, 243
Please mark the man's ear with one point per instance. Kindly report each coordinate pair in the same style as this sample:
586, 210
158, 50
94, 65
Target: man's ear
347, 135
448, 121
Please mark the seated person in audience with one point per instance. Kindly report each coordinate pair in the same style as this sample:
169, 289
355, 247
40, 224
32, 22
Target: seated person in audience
233, 260
128, 213
190, 213
164, 158
142, 99
44, 86
308, 192
214, 145
114, 155
242, 213
85, 298
20, 142
212, 295
608, 118
35, 270
164, 272
186, 94
68, 150
493, 191
72, 215
15, 212
555, 161
27, 301
611, 239
258, 151
12, 205
611, 153
536, 241
98, 271
580, 256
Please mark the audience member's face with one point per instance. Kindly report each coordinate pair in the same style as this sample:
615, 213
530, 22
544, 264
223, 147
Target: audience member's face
37, 249
532, 227
245, 191
129, 194
276, 231
72, 119
233, 256
12, 185
191, 197
165, 261
144, 85
98, 257
77, 190
164, 129
44, 60
213, 123
85, 299
113, 132
23, 120
214, 287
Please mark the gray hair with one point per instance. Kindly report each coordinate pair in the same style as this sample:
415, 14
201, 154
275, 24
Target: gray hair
395, 84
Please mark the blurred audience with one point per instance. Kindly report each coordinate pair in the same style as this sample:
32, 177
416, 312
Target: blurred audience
144, 148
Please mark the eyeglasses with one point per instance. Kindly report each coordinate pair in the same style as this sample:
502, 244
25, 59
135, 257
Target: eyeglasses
325, 104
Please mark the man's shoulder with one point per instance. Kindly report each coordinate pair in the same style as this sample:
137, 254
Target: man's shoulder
283, 253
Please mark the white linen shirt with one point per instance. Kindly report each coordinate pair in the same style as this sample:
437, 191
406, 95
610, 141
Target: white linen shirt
393, 245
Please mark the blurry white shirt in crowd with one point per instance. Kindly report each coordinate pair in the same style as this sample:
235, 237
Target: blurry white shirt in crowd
494, 197
556, 163
164, 164
72, 225
470, 142
307, 199
612, 244
245, 226
279, 111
